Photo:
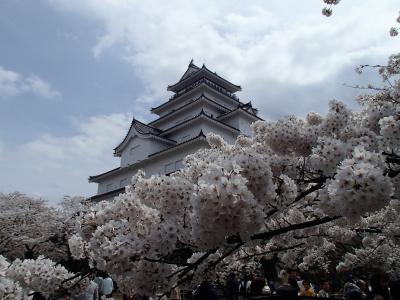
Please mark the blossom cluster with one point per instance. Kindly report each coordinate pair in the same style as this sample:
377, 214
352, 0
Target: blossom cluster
223, 197
146, 278
288, 135
317, 256
9, 289
327, 154
358, 184
77, 247
41, 275
327, 11
393, 30
390, 130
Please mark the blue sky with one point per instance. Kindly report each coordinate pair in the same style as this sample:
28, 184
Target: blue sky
72, 73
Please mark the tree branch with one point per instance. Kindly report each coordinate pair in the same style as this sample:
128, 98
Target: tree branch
272, 251
312, 189
272, 233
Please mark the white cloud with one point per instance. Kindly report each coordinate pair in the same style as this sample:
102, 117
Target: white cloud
56, 165
41, 87
14, 84
260, 45
92, 144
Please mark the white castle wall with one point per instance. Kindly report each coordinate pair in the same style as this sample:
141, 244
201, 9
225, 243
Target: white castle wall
240, 121
139, 148
161, 164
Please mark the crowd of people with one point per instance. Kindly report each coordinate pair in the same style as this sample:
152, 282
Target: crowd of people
291, 284
101, 286
288, 284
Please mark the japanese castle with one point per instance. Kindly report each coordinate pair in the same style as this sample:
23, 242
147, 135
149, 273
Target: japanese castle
202, 102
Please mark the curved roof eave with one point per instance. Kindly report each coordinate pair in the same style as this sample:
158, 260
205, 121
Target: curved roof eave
200, 136
202, 114
94, 177
239, 109
176, 86
192, 103
174, 100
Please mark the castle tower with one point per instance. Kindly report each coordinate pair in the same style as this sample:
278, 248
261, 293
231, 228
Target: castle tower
202, 102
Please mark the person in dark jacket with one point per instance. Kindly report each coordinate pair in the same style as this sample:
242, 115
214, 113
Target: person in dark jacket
293, 278
257, 285
285, 289
205, 292
232, 287
395, 290
38, 296
379, 287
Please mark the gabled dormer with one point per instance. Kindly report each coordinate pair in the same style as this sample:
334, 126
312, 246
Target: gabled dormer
140, 140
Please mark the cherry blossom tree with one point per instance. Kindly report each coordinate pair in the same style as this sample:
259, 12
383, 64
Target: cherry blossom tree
22, 278
32, 230
29, 227
324, 190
